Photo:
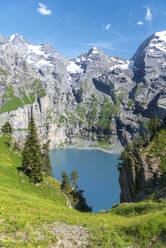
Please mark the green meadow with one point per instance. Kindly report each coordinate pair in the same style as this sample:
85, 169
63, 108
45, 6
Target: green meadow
27, 210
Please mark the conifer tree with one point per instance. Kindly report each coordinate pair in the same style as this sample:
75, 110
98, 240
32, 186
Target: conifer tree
31, 154
74, 178
46, 165
65, 185
7, 128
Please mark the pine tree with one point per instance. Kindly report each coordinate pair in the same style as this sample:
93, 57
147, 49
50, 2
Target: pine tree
74, 178
65, 185
46, 165
7, 128
31, 154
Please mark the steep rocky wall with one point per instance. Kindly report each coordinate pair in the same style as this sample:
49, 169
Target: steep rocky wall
139, 173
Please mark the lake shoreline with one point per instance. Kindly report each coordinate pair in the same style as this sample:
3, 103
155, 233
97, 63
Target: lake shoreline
113, 151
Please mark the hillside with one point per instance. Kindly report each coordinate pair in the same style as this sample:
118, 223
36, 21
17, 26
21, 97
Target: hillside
35, 215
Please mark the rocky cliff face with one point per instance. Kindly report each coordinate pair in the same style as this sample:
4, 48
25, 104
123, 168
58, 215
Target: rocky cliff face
136, 175
93, 99
143, 169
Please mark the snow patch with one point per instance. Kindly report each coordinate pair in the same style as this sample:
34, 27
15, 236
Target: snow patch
36, 50
159, 42
113, 59
124, 65
78, 60
94, 50
151, 50
161, 35
131, 65
12, 37
74, 68
30, 60
43, 62
83, 58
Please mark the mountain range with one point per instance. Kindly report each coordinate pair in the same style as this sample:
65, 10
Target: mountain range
91, 100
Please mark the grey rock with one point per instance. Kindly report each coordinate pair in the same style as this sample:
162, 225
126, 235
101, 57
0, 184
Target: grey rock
137, 86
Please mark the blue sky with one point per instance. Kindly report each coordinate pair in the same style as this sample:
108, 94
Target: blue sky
73, 26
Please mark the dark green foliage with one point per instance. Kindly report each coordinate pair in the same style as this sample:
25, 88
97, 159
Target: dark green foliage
79, 202
92, 113
135, 209
46, 165
38, 89
31, 154
81, 111
75, 196
164, 121
108, 111
154, 125
65, 185
17, 147
74, 178
7, 128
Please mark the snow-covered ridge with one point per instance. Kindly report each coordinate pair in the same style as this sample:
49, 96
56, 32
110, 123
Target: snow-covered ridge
36, 50
158, 41
94, 50
12, 37
34, 55
161, 35
123, 65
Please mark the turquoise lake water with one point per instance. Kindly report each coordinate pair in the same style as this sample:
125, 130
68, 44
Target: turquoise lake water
97, 171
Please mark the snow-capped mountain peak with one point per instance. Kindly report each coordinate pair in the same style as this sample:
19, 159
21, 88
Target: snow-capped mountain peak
35, 55
161, 36
158, 42
95, 50
18, 40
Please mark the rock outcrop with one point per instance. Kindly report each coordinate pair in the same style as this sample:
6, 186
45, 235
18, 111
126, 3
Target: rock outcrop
136, 176
143, 170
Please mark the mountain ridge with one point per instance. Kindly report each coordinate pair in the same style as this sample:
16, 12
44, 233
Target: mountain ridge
91, 100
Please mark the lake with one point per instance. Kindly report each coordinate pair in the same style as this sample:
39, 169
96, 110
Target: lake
97, 172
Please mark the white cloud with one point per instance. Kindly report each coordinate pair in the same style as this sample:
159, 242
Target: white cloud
140, 23
107, 27
148, 16
43, 9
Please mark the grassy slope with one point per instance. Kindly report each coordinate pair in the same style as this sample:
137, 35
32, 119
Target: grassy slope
24, 208
14, 102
